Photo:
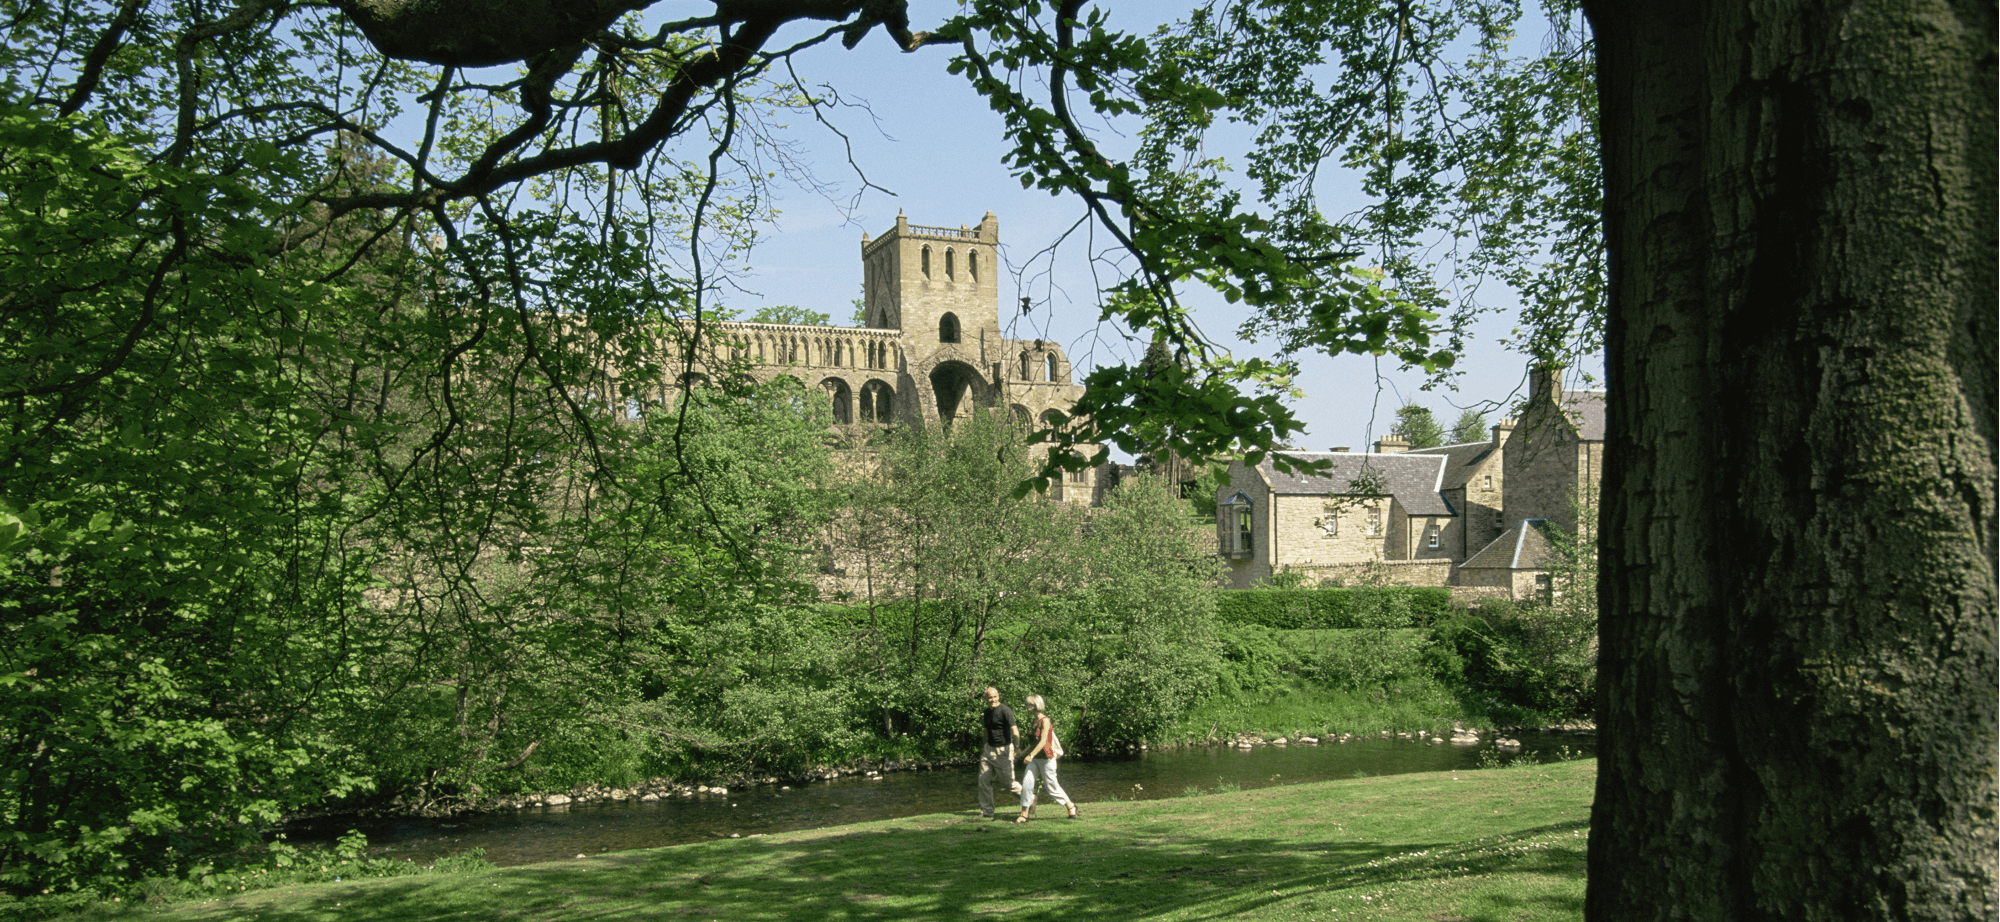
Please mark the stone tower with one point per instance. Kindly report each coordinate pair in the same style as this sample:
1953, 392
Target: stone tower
936, 284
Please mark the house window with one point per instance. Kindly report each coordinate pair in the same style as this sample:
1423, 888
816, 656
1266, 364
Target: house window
1375, 521
1431, 535
1329, 523
1489, 483
1237, 520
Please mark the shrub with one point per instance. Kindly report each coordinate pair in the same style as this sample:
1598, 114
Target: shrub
1525, 657
1333, 607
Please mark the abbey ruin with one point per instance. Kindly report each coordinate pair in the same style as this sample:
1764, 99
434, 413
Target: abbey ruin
930, 349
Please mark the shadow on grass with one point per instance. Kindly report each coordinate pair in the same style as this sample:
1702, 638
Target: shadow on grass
943, 867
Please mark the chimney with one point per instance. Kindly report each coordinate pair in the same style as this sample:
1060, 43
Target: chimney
1391, 445
1500, 431
1544, 383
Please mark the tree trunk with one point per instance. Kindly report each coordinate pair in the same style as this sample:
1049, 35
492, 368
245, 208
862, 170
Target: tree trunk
1797, 675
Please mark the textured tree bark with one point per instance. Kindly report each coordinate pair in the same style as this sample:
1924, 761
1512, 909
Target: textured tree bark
1797, 673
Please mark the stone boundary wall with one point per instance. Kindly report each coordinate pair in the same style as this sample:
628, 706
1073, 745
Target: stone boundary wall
1434, 573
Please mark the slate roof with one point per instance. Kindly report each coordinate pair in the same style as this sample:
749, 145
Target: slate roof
1414, 480
1460, 460
1585, 410
1523, 547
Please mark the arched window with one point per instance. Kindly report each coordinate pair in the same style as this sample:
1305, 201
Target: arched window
948, 268
1237, 523
878, 403
948, 328
1024, 367
885, 403
1052, 369
972, 265
838, 395
927, 262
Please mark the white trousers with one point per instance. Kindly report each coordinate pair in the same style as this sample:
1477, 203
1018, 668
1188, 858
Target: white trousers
1046, 770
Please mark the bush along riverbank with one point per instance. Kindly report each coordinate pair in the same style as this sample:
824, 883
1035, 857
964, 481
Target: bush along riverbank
1480, 844
1414, 668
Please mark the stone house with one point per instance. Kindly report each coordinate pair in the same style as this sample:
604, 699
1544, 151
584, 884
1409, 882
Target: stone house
1514, 566
1474, 485
1380, 510
1555, 455
1474, 515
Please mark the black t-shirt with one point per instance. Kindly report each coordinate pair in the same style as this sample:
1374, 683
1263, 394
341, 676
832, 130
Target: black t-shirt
999, 725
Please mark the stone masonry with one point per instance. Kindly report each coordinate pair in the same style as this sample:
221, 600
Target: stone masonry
1474, 515
930, 349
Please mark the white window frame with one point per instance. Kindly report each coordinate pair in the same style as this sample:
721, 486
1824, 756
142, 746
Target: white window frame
1375, 521
1431, 534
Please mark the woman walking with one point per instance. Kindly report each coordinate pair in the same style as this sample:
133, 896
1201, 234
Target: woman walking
1041, 759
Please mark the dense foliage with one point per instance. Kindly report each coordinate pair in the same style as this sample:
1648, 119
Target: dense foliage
1107, 613
1538, 656
1333, 607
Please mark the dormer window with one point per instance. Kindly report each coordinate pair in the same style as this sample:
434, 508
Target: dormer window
1237, 520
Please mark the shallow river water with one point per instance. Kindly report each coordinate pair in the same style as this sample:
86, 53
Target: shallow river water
549, 833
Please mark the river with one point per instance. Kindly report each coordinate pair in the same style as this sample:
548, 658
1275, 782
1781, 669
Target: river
537, 834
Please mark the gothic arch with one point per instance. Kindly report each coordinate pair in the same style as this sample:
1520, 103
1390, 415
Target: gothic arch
1055, 375
950, 257
952, 384
972, 264
926, 260
878, 403
841, 397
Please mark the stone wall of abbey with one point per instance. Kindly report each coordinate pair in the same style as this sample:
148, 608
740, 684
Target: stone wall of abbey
930, 349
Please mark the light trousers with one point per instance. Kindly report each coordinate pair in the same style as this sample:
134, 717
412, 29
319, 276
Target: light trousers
994, 761
1045, 769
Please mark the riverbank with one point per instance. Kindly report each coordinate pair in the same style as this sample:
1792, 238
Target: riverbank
1291, 713
1504, 842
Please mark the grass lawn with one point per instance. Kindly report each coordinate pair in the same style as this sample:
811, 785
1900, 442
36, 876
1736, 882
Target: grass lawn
1504, 844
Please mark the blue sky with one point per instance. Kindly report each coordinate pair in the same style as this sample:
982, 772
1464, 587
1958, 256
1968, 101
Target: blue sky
933, 145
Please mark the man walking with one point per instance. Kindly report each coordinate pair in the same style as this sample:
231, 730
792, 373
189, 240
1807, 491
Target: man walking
996, 751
